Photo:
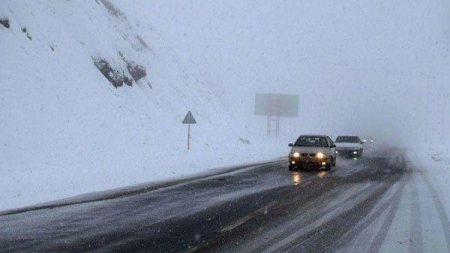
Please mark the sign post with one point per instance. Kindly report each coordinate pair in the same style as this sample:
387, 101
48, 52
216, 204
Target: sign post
189, 119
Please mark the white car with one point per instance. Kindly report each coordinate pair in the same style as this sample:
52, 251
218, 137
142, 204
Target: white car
368, 140
312, 151
349, 146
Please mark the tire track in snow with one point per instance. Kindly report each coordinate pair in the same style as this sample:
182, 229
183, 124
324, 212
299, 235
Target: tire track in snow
286, 237
416, 239
379, 238
303, 236
339, 225
381, 235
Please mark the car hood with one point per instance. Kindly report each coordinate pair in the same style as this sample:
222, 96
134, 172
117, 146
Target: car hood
309, 149
348, 145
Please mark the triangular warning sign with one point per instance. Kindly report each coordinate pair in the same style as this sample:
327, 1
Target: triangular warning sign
189, 119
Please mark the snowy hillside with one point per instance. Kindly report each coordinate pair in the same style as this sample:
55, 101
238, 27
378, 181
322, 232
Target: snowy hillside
67, 129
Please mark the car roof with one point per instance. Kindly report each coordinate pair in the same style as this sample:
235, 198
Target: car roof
313, 135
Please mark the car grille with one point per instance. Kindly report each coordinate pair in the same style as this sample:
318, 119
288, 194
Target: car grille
345, 149
308, 155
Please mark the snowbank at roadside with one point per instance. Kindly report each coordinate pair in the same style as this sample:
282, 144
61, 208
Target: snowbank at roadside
433, 159
432, 171
30, 185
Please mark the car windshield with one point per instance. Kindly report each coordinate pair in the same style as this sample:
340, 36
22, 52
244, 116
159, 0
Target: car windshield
311, 141
349, 139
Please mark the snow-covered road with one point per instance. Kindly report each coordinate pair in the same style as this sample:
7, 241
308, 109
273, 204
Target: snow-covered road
388, 201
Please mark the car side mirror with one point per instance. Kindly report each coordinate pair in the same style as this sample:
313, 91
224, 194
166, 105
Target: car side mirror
291, 144
333, 146
362, 142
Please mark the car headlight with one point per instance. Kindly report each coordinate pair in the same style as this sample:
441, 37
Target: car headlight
320, 155
296, 154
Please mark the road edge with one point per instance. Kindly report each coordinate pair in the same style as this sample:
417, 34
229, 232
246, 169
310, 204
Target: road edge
135, 189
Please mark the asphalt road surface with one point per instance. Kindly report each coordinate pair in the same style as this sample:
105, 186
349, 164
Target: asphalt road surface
258, 209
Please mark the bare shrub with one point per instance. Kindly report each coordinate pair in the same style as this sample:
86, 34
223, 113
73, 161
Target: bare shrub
24, 30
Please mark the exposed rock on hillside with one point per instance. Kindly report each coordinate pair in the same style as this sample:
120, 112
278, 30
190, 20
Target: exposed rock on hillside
115, 77
4, 22
136, 71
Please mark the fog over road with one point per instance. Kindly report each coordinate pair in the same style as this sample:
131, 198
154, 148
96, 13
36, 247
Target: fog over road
364, 205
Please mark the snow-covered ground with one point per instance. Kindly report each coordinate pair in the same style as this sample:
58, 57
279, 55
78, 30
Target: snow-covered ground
433, 164
427, 201
66, 130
